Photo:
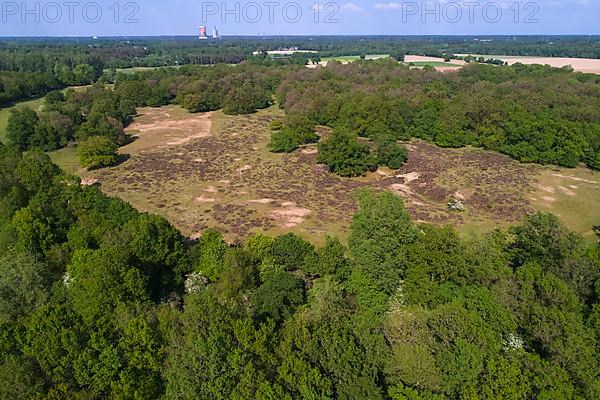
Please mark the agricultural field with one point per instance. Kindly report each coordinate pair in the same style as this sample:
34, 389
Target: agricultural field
435, 62
213, 170
586, 65
133, 70
349, 59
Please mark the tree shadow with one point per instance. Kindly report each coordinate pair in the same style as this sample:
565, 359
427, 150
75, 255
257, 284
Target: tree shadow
122, 159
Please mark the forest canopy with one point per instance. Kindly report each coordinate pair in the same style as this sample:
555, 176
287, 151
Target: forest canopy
98, 300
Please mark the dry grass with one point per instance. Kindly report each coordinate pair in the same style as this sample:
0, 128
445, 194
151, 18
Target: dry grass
223, 176
571, 194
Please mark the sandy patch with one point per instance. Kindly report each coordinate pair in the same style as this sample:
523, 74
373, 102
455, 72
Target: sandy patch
548, 189
566, 191
459, 196
202, 199
408, 178
381, 172
310, 150
401, 189
575, 178
261, 201
290, 217
406, 193
196, 236
446, 69
244, 169
588, 65
548, 199
159, 130
89, 181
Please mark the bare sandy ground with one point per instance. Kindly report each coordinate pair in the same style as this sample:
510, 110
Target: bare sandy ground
157, 127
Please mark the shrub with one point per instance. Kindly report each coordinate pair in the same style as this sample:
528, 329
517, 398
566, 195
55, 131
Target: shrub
276, 125
283, 142
345, 155
296, 131
390, 153
97, 152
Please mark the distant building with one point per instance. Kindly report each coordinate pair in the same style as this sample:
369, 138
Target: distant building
203, 33
215, 33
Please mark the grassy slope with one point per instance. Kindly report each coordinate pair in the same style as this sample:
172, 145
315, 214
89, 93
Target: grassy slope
571, 194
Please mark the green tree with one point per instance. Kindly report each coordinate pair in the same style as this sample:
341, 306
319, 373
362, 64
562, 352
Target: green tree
329, 260
212, 253
24, 285
290, 251
380, 234
345, 156
283, 141
278, 296
97, 152
21, 127
390, 153
35, 171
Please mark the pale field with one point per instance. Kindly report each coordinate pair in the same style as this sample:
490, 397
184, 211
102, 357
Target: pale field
586, 65
436, 62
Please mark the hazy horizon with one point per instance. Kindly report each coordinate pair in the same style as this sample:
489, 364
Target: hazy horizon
299, 18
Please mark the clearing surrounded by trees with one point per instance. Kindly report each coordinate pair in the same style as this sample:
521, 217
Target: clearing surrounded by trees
213, 170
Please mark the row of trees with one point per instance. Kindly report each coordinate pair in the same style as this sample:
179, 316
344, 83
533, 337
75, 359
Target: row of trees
73, 115
237, 90
532, 113
32, 67
100, 301
34, 70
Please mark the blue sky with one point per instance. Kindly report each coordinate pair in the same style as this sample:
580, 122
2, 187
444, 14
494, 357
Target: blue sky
299, 17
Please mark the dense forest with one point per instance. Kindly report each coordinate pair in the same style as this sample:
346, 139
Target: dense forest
33, 66
532, 113
28, 72
84, 115
100, 301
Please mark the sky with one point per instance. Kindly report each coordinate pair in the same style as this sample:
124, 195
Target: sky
299, 17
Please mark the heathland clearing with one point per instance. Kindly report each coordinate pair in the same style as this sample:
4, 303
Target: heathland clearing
213, 170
